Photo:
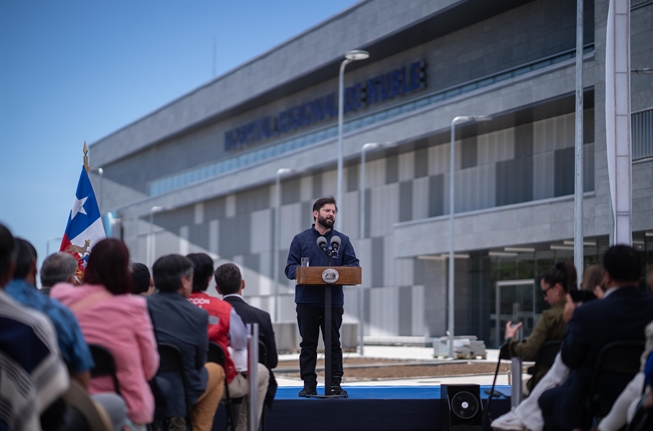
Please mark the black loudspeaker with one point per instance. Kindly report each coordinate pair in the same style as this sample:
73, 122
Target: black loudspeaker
461, 408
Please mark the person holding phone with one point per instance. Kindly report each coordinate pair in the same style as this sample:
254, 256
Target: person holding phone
555, 284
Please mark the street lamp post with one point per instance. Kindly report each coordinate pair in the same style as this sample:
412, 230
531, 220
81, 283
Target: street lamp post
578, 145
350, 56
452, 166
277, 232
47, 244
100, 172
150, 246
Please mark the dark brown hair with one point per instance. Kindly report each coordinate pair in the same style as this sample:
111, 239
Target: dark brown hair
7, 249
317, 206
228, 278
562, 273
108, 265
140, 278
203, 270
168, 271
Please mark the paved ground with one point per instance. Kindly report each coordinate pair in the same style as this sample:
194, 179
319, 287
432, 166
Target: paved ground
401, 366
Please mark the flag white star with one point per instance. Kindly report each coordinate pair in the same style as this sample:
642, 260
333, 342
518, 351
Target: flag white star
78, 207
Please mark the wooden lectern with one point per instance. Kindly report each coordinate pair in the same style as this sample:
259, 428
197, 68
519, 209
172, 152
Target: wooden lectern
327, 276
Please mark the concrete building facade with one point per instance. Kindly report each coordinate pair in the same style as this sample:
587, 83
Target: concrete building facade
203, 167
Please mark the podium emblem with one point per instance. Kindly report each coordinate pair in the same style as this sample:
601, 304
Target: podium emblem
330, 275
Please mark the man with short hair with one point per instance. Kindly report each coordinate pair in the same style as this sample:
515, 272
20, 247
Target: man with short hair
621, 316
228, 330
22, 289
32, 383
72, 345
142, 281
59, 267
183, 325
230, 284
310, 299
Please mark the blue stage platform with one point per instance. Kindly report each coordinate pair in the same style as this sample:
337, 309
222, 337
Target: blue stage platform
368, 408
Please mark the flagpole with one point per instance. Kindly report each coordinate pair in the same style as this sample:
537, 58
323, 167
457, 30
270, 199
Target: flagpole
86, 166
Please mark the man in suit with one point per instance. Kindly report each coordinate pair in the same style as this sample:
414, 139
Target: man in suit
621, 316
229, 283
224, 324
178, 322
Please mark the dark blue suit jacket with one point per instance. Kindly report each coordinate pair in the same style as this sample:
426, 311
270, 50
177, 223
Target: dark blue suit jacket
622, 316
178, 322
250, 314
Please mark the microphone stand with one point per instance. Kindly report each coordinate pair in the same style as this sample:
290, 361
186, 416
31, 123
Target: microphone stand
327, 331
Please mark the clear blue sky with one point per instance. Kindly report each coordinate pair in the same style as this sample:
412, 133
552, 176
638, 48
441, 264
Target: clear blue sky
75, 71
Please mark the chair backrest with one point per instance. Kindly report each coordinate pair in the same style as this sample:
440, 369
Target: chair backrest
95, 417
620, 359
547, 353
171, 360
104, 364
216, 354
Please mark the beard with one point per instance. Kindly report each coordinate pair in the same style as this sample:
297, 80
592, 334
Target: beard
326, 222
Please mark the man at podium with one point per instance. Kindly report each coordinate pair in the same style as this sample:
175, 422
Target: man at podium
310, 299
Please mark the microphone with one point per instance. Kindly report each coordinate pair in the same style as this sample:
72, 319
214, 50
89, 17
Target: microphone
335, 242
322, 243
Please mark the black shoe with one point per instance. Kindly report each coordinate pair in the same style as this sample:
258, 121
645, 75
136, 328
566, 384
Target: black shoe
309, 389
336, 389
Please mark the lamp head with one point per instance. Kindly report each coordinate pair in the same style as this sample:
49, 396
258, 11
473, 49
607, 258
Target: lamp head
282, 171
357, 54
371, 145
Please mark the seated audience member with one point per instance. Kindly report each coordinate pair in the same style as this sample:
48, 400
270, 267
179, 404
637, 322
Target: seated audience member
72, 345
183, 325
31, 383
119, 322
528, 416
59, 267
591, 288
231, 334
555, 285
621, 316
229, 283
142, 283
624, 407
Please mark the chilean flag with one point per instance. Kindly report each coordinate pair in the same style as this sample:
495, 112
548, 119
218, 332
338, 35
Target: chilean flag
84, 228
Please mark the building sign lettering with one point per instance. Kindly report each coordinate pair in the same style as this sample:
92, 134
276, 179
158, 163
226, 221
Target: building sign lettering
400, 81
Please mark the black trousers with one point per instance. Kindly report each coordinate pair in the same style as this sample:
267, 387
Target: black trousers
563, 407
310, 320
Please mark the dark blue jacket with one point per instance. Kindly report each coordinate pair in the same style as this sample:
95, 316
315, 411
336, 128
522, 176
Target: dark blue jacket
304, 244
178, 322
621, 316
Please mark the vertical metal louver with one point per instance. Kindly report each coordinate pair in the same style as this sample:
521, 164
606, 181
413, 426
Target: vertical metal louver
642, 134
